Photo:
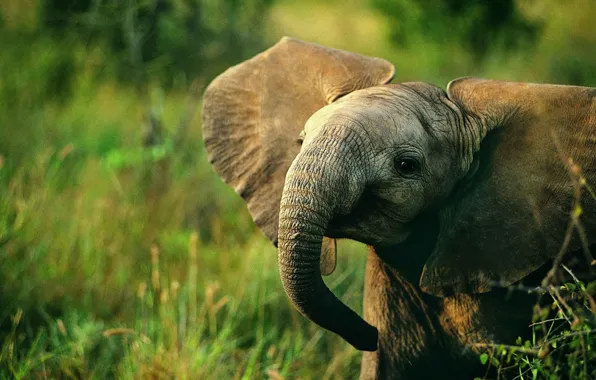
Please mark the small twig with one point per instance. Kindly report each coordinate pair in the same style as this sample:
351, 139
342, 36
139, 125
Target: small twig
528, 289
551, 273
519, 287
560, 301
570, 273
571, 334
522, 373
579, 182
524, 350
492, 354
546, 321
581, 231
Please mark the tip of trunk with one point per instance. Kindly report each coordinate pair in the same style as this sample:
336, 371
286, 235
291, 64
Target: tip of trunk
365, 340
330, 313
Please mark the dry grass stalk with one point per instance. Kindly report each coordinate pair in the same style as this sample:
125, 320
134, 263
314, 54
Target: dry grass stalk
192, 278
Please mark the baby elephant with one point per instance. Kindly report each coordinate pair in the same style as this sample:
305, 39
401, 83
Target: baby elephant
453, 191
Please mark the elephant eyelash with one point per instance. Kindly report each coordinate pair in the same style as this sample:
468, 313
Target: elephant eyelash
300, 138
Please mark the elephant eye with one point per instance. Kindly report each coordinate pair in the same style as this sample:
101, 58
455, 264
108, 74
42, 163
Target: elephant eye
407, 166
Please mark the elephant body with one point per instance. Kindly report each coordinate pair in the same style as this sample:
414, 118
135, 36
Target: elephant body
417, 337
455, 191
428, 337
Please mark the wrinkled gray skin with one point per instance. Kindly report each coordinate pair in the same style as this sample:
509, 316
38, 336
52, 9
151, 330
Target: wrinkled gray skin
452, 190
346, 183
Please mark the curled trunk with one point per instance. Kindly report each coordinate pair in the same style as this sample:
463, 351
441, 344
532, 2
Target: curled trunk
314, 193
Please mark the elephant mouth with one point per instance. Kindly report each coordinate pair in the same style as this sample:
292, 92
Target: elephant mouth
372, 221
415, 250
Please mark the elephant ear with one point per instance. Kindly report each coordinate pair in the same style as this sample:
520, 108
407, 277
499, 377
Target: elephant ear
254, 112
513, 215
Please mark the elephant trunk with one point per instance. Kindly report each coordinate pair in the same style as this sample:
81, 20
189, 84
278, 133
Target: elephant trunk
320, 185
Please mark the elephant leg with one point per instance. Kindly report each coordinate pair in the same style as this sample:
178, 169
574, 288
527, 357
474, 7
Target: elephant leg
374, 302
412, 339
404, 321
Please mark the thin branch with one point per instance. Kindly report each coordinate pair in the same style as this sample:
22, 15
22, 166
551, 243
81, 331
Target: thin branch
546, 321
571, 334
531, 351
560, 301
570, 273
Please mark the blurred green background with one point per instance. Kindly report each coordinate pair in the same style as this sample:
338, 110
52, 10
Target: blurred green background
122, 255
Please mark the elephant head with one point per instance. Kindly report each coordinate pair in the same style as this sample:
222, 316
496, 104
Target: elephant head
321, 147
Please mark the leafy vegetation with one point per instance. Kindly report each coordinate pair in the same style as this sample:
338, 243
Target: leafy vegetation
122, 255
562, 344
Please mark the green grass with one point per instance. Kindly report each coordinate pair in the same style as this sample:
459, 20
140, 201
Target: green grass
119, 263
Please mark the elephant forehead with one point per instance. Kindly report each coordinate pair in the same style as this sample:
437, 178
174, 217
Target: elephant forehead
405, 106
375, 108
349, 117
389, 116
